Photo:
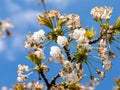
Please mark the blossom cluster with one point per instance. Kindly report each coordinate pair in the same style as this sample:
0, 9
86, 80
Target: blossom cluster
103, 53
29, 86
82, 40
35, 39
34, 42
21, 69
101, 13
57, 54
5, 26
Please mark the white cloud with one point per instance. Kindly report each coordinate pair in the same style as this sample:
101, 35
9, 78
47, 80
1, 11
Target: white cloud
18, 42
60, 3
10, 56
23, 18
20, 18
16, 46
2, 46
12, 6
30, 1
21, 21
53, 3
18, 15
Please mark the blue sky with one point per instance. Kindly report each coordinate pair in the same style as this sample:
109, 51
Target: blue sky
22, 14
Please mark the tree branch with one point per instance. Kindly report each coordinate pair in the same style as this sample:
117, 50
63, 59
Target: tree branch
54, 79
49, 85
45, 79
44, 6
67, 52
95, 40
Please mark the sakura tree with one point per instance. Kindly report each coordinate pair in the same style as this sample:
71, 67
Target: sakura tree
73, 47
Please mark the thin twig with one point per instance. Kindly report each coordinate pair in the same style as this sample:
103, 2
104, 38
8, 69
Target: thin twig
95, 40
44, 6
68, 53
45, 79
54, 79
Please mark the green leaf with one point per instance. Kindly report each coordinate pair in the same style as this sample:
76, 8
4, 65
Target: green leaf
117, 31
32, 57
117, 23
45, 21
90, 33
80, 55
61, 22
80, 79
51, 36
117, 81
73, 85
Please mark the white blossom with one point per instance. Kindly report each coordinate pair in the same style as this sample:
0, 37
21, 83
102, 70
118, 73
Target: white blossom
84, 42
94, 82
4, 88
8, 25
67, 66
101, 74
69, 77
39, 36
27, 45
28, 42
81, 40
34, 40
62, 41
29, 38
39, 53
108, 12
103, 52
5, 25
22, 68
62, 74
22, 78
107, 64
102, 43
38, 85
29, 85
62, 17
91, 88
101, 13
72, 77
56, 53
33, 86
73, 16
77, 33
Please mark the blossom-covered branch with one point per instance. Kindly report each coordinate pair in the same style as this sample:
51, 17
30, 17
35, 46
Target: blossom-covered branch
72, 47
